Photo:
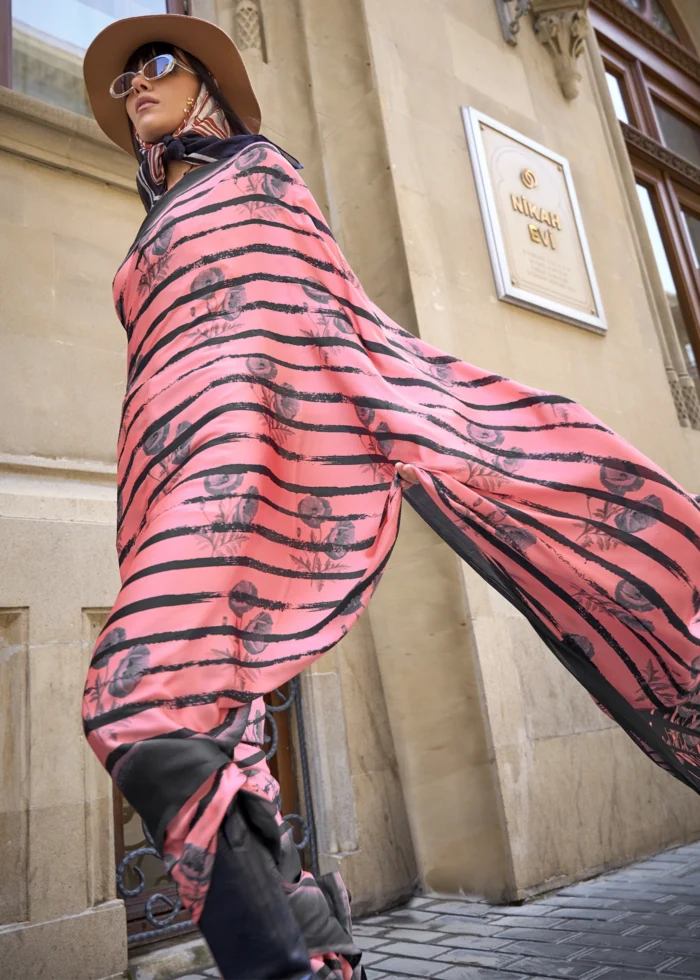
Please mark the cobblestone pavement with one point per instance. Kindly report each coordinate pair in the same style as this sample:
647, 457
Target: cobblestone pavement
641, 923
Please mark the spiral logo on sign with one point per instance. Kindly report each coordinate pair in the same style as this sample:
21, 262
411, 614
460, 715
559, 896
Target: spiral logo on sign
528, 178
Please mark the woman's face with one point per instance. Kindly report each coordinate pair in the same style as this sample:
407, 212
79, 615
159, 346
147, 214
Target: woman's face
156, 107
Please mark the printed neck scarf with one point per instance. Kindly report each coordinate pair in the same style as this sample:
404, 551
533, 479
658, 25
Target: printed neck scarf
204, 136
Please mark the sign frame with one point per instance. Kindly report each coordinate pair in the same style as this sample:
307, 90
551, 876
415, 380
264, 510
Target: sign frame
507, 291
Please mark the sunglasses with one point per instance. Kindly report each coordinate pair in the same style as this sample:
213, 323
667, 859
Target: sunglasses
157, 67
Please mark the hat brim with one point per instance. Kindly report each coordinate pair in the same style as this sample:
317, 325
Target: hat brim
112, 48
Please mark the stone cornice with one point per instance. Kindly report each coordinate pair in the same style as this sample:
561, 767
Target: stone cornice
58, 138
657, 153
660, 42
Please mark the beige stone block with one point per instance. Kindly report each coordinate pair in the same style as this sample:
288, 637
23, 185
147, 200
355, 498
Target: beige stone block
552, 787
63, 566
384, 868
57, 676
87, 946
459, 842
432, 695
334, 806
463, 322
422, 35
391, 72
79, 419
83, 294
501, 682
27, 272
62, 203
344, 79
354, 140
12, 190
488, 65
57, 882
431, 97
100, 883
14, 756
370, 744
24, 497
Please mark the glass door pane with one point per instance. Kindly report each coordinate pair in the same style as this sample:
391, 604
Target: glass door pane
668, 283
49, 39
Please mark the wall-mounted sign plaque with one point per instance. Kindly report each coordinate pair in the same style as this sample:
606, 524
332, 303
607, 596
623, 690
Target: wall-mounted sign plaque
534, 230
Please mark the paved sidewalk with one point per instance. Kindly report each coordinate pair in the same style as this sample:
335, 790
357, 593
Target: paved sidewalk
641, 923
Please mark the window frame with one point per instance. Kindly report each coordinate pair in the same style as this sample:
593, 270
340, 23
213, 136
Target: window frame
647, 74
171, 6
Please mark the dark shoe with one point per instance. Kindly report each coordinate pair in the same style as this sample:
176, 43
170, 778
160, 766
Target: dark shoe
246, 920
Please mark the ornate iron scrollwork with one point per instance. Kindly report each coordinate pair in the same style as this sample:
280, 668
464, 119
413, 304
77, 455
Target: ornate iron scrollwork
510, 13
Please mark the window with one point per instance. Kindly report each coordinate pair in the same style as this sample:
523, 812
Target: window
653, 77
44, 42
617, 96
660, 16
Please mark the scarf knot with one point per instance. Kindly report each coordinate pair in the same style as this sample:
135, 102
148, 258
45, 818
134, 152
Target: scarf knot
204, 136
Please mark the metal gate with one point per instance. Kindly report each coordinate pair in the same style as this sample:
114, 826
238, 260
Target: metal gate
154, 910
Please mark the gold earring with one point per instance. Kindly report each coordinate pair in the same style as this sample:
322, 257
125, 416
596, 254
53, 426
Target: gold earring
188, 106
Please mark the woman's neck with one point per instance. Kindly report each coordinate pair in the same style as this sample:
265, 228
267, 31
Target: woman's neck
175, 170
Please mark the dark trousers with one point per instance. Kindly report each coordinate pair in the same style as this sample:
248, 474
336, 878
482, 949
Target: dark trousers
247, 920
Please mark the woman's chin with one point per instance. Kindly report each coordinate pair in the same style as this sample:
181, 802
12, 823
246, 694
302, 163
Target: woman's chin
153, 131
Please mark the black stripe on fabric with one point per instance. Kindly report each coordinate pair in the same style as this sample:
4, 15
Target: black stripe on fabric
360, 489
202, 632
252, 760
261, 498
197, 180
583, 669
132, 708
267, 278
520, 560
237, 561
246, 222
493, 427
626, 537
646, 590
315, 547
205, 365
206, 800
255, 248
169, 601
253, 468
245, 335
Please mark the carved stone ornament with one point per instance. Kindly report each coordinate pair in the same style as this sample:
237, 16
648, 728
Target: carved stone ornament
562, 27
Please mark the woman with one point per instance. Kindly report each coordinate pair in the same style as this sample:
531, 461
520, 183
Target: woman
272, 417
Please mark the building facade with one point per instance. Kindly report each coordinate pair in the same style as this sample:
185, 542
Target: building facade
439, 746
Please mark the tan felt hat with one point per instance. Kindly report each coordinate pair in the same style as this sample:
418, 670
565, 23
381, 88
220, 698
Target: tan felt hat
112, 48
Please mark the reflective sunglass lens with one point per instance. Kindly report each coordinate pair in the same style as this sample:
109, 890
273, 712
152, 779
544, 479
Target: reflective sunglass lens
158, 66
122, 84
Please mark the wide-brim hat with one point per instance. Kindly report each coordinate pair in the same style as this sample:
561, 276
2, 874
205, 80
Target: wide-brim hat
112, 48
